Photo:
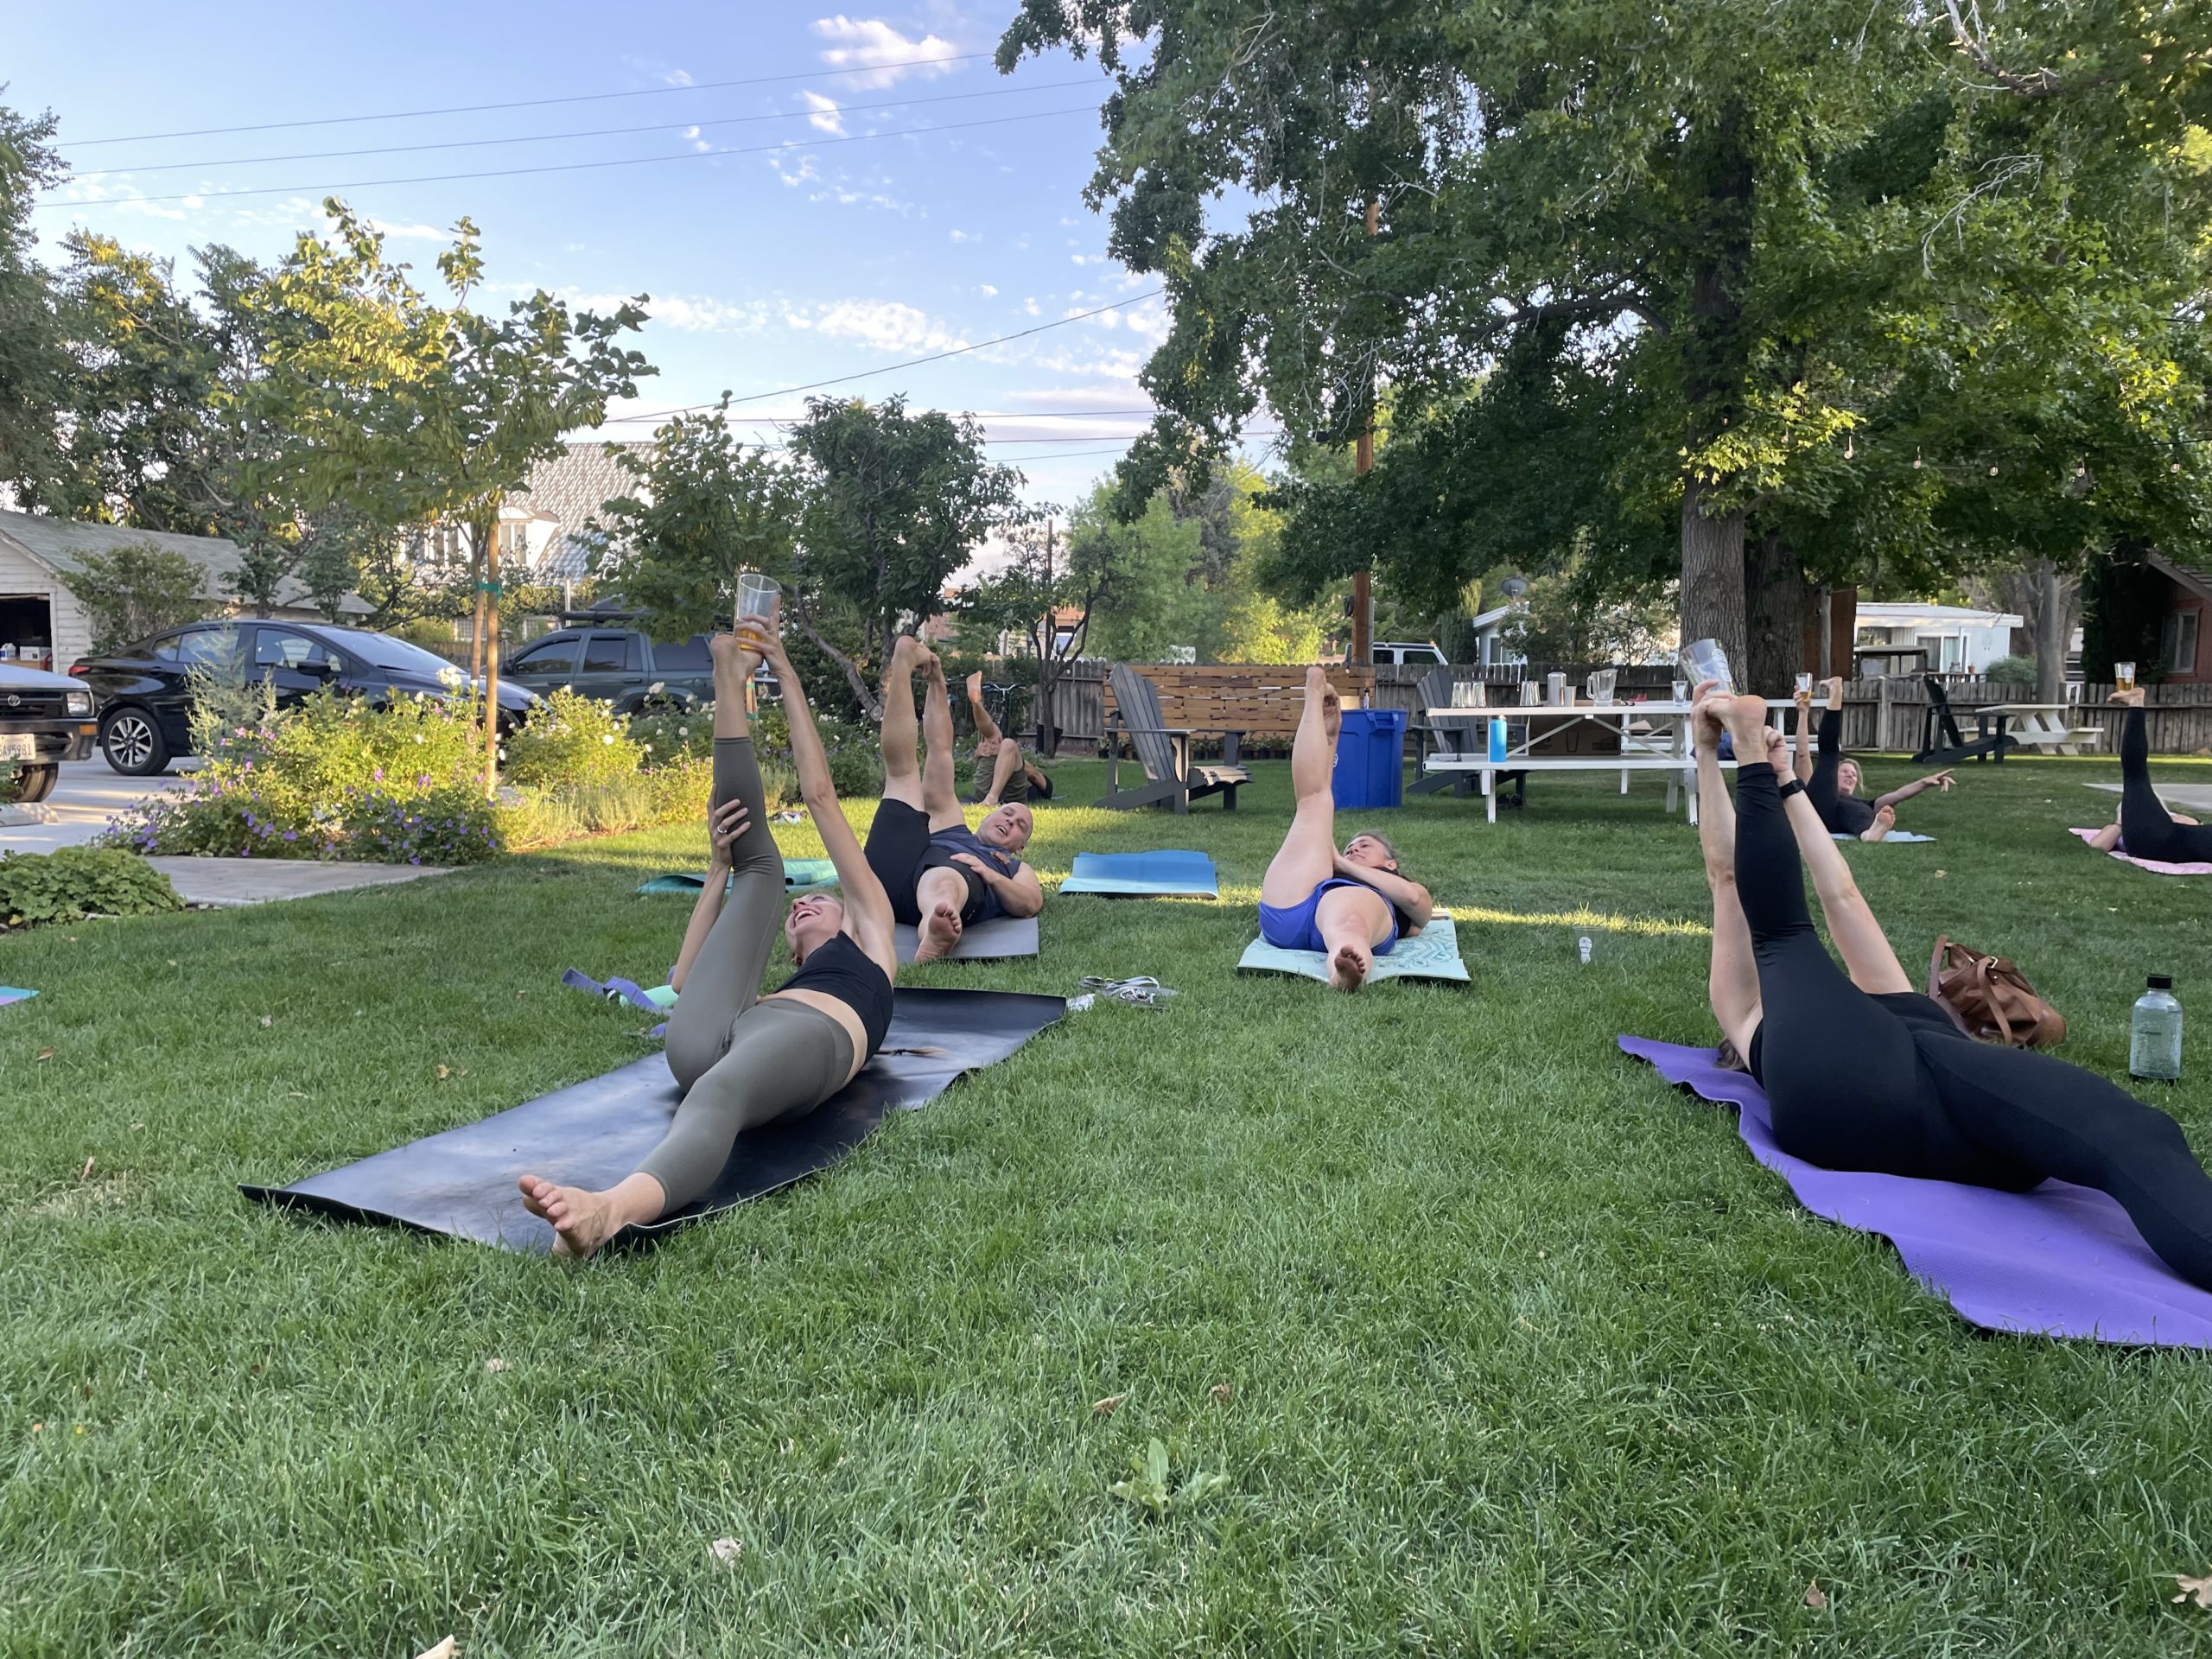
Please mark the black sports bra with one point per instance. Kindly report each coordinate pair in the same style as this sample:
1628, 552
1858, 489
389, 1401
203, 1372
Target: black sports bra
841, 969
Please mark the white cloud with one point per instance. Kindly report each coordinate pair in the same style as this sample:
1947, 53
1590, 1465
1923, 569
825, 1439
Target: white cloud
823, 115
879, 52
677, 78
394, 230
1030, 306
697, 143
883, 325
688, 314
967, 236
988, 291
794, 176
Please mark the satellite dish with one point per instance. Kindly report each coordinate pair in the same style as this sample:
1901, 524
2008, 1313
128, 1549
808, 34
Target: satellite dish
1512, 587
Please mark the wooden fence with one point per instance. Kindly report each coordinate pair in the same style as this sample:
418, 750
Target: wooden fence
1263, 701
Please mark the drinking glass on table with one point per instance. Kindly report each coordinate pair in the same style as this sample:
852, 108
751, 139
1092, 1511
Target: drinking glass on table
1599, 685
1704, 659
1679, 691
2123, 677
1531, 694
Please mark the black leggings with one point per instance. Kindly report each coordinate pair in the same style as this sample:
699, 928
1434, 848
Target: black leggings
1844, 814
1888, 1083
2146, 828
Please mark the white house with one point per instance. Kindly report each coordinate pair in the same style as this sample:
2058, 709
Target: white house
1955, 638
542, 526
47, 627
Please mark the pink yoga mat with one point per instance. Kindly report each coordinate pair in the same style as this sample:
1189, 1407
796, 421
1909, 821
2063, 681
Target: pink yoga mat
2151, 865
2058, 1260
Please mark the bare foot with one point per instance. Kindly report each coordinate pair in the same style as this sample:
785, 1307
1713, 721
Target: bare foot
975, 686
939, 933
1332, 713
583, 1221
1885, 819
907, 653
1834, 687
933, 666
1348, 968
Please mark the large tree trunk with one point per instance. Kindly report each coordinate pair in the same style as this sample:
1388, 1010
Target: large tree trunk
1775, 600
1712, 578
2048, 600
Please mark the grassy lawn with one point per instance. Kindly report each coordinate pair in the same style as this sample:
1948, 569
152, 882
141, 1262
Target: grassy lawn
1502, 1345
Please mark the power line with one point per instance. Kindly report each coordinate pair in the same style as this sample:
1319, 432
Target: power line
527, 103
590, 132
972, 414
571, 166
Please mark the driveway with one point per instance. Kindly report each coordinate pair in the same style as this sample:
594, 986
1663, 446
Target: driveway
88, 795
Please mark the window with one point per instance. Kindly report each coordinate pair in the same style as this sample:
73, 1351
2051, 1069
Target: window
2177, 642
385, 652
215, 649
692, 657
165, 649
281, 648
556, 654
612, 653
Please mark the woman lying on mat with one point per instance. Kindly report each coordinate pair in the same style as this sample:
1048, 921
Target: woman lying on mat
1356, 904
743, 1059
2145, 828
1832, 782
1865, 1072
1003, 773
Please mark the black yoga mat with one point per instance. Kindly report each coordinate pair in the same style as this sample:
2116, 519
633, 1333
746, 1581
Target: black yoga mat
593, 1134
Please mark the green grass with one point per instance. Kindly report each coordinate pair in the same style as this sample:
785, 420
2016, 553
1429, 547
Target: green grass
1522, 1353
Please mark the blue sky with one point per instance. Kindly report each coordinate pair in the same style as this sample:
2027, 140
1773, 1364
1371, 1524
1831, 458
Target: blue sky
918, 230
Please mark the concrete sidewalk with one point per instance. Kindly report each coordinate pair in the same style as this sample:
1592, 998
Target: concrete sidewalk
229, 882
2195, 799
90, 793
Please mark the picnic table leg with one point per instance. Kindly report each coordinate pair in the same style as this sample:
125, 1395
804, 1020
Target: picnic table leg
1489, 797
1689, 791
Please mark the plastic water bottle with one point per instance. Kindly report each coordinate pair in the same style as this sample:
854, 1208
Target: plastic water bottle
1496, 737
2154, 1036
1582, 949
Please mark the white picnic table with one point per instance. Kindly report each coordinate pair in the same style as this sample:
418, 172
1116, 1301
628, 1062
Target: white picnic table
2041, 727
1665, 749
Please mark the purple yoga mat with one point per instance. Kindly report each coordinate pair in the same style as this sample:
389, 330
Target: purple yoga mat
2151, 865
2061, 1261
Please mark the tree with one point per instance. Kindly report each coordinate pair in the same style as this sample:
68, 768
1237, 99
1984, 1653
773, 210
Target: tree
408, 412
897, 504
2048, 600
1051, 572
706, 507
138, 588
1156, 600
33, 368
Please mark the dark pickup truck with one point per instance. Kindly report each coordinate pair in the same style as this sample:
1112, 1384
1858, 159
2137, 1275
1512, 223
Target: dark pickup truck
45, 719
617, 665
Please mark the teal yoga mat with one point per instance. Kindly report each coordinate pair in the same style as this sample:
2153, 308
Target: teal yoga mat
1432, 953
1894, 835
797, 873
1138, 874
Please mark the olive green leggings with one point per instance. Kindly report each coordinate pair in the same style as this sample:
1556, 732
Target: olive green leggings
741, 1062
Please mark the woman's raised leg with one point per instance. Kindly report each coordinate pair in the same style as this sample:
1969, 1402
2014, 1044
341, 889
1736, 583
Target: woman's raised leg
1308, 855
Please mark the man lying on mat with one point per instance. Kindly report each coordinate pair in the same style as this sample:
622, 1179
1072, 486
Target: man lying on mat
1354, 904
943, 877
1861, 1070
1003, 775
741, 1057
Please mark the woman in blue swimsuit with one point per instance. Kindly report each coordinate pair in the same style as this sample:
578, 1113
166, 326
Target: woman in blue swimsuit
1354, 904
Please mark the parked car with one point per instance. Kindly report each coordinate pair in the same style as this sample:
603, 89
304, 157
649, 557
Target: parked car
617, 665
1426, 652
143, 690
45, 719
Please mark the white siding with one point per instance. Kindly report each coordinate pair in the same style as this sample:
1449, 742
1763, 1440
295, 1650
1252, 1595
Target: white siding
73, 633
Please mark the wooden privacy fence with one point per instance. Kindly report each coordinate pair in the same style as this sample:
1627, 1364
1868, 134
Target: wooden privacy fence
1264, 700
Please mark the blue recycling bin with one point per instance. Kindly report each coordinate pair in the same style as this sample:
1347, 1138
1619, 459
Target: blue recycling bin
1370, 760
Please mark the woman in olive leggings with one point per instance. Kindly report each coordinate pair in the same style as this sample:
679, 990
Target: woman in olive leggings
1862, 1071
741, 1058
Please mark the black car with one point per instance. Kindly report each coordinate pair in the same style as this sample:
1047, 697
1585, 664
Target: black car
617, 665
45, 719
145, 704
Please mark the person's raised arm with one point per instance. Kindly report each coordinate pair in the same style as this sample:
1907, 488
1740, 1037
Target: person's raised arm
1801, 757
725, 824
1941, 780
867, 907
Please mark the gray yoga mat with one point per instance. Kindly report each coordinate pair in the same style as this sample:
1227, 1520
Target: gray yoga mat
592, 1134
1001, 936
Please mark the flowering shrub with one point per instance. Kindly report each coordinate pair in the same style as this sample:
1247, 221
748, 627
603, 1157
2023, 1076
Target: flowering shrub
450, 824
664, 733
572, 739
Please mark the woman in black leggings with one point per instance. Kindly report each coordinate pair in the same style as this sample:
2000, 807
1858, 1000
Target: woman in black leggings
2147, 830
1832, 782
1865, 1072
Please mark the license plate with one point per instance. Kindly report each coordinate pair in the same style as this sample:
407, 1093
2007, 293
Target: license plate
17, 746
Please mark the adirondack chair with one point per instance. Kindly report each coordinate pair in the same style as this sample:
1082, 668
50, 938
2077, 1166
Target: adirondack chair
1454, 735
1942, 743
1164, 751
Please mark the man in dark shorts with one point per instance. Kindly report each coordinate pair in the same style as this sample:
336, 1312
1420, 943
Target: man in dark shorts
943, 877
1003, 773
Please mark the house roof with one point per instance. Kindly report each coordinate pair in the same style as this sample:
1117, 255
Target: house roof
2195, 577
570, 489
1885, 614
60, 543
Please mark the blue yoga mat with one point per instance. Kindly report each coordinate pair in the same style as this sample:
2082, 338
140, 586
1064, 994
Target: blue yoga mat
2056, 1261
1894, 835
1432, 953
797, 873
1134, 875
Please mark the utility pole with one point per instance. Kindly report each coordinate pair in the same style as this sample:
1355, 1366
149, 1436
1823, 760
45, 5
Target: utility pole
1363, 580
487, 600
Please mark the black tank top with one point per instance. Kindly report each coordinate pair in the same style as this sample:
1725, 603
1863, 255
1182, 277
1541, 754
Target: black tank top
841, 969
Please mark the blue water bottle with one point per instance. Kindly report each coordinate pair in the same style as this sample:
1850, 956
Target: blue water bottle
1496, 737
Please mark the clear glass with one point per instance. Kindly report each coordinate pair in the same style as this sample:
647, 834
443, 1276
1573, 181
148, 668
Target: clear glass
1704, 659
1804, 682
756, 594
1599, 685
2154, 1037
2123, 677
1680, 689
1478, 694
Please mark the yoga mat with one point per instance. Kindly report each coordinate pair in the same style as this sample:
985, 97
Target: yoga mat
2151, 865
797, 873
1894, 835
1132, 874
593, 1134
991, 941
15, 994
2059, 1260
1432, 953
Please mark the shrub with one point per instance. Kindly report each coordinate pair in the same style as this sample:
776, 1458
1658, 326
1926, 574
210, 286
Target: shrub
132, 591
74, 882
216, 708
665, 733
572, 739
452, 823
2012, 671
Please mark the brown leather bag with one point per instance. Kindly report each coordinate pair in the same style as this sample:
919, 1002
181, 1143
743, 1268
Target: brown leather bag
1991, 999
